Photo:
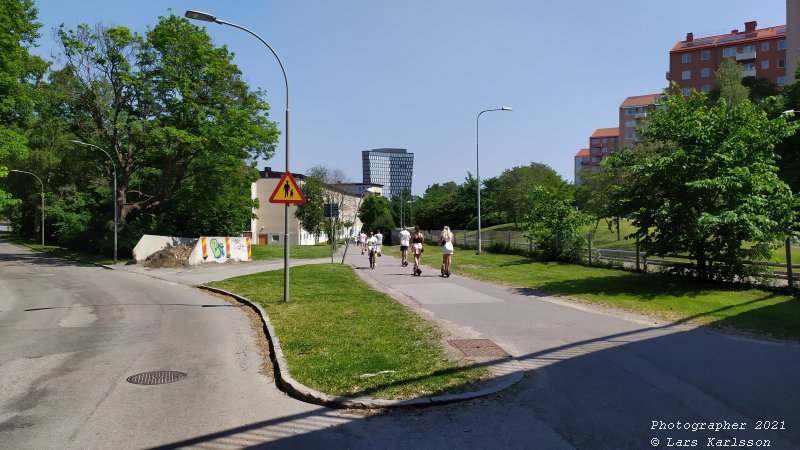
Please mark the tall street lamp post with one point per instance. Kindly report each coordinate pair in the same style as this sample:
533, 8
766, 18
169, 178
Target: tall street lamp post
116, 203
205, 17
42, 185
478, 167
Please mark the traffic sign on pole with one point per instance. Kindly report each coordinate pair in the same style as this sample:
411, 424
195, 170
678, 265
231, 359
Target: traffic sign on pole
287, 191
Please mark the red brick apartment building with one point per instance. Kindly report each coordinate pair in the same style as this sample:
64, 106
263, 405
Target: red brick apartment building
601, 143
632, 112
692, 62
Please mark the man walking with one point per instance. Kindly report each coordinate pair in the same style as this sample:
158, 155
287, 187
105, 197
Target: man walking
405, 239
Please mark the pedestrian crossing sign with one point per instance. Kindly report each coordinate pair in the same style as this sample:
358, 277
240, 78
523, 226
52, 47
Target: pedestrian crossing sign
287, 191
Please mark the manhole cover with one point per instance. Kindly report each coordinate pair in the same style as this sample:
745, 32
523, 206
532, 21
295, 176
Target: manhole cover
478, 347
157, 377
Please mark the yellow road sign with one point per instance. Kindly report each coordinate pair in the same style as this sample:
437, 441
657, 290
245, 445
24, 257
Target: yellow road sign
287, 191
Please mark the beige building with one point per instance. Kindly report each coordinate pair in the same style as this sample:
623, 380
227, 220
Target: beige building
268, 227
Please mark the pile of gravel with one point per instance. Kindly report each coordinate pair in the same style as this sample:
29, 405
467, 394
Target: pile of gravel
177, 256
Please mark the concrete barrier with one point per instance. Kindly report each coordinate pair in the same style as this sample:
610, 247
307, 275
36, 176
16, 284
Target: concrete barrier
220, 249
150, 244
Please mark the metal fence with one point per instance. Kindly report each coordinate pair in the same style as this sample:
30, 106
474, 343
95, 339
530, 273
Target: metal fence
515, 242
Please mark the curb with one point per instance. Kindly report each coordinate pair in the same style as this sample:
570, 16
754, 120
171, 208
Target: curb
509, 373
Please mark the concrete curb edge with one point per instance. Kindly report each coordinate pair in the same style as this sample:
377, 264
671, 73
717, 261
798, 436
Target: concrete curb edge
307, 394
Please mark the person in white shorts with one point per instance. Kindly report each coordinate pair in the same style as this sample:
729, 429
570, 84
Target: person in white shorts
405, 241
446, 238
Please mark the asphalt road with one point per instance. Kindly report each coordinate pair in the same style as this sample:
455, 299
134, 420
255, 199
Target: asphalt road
70, 335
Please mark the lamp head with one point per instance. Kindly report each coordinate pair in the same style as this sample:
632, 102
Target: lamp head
506, 108
788, 112
199, 15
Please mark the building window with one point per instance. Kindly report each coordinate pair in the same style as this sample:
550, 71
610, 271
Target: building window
605, 140
782, 44
764, 46
705, 88
595, 150
686, 58
596, 159
630, 135
748, 48
705, 72
765, 64
630, 123
686, 75
781, 63
686, 91
595, 141
705, 55
781, 81
728, 52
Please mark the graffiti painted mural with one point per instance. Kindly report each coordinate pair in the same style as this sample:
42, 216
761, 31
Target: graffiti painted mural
217, 248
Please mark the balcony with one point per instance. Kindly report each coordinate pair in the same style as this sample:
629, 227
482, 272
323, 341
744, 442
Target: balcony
744, 56
749, 72
640, 115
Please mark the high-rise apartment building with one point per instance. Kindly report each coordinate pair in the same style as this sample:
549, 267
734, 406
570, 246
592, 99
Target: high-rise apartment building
391, 167
762, 53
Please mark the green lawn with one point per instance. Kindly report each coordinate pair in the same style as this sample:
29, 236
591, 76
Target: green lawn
668, 297
335, 331
295, 251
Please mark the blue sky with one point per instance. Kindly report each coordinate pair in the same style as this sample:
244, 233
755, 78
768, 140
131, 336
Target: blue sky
414, 74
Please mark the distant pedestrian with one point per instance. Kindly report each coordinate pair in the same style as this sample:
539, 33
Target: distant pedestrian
417, 238
372, 248
362, 240
446, 239
379, 237
405, 240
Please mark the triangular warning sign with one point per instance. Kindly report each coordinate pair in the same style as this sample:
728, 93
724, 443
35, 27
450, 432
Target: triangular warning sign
287, 191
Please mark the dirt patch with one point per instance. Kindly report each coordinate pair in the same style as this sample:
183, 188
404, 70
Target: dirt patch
177, 256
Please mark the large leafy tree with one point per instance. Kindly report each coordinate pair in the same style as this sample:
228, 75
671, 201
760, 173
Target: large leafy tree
173, 112
514, 185
19, 71
710, 189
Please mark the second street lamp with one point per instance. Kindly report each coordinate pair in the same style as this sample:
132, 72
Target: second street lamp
206, 17
116, 203
42, 185
478, 166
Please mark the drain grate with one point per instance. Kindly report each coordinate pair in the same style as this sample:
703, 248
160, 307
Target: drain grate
156, 377
478, 347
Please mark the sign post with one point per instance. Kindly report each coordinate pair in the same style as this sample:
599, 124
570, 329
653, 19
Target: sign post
287, 192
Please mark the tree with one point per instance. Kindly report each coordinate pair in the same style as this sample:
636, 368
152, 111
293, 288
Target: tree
169, 106
553, 225
514, 185
376, 214
710, 187
18, 73
729, 81
311, 213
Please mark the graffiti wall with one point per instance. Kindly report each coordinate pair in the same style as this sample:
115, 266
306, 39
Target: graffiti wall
220, 249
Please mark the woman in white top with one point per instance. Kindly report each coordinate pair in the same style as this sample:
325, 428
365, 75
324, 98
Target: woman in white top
446, 238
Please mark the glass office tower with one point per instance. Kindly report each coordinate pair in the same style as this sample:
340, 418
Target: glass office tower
391, 167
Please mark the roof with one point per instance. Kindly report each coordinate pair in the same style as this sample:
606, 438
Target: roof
582, 152
641, 100
734, 37
605, 132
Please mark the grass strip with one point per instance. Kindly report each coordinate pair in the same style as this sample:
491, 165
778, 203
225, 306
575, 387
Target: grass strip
341, 337
266, 252
61, 252
671, 298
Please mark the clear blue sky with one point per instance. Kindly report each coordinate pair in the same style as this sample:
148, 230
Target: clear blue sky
369, 74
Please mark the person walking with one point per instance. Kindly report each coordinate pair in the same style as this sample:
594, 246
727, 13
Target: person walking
405, 240
417, 238
379, 237
362, 240
446, 239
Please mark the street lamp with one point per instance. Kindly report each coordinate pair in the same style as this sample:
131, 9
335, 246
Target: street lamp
478, 167
116, 203
42, 185
205, 17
